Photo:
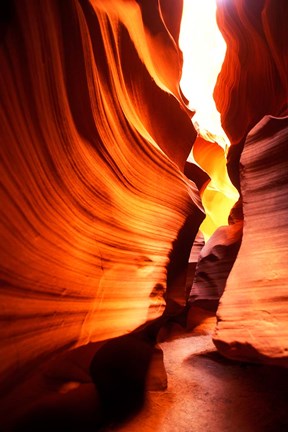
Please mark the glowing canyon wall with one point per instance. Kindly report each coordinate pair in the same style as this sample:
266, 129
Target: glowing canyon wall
95, 133
94, 138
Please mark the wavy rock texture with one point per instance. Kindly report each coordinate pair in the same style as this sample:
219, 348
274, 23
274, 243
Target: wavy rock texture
94, 137
253, 79
252, 316
95, 134
253, 84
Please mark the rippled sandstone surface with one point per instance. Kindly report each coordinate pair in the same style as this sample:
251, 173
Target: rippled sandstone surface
94, 136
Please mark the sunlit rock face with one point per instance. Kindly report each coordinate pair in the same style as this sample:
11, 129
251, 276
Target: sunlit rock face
252, 317
94, 138
95, 134
253, 79
218, 195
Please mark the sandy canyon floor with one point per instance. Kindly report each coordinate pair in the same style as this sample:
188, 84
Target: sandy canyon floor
205, 392
208, 393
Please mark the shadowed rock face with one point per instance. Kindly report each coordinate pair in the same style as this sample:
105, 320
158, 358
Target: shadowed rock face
94, 136
215, 261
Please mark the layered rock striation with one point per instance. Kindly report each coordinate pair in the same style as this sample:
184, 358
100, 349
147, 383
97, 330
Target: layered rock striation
99, 208
252, 316
94, 137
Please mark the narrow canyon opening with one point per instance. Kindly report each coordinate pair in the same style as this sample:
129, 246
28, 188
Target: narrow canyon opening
143, 253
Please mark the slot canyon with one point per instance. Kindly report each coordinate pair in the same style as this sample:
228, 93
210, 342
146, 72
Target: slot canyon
133, 234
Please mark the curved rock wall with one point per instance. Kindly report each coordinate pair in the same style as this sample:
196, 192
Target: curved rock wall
94, 136
252, 88
253, 79
93, 145
252, 316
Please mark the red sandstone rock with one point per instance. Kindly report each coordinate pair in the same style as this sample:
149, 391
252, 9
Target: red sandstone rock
215, 261
92, 157
252, 316
253, 79
94, 137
